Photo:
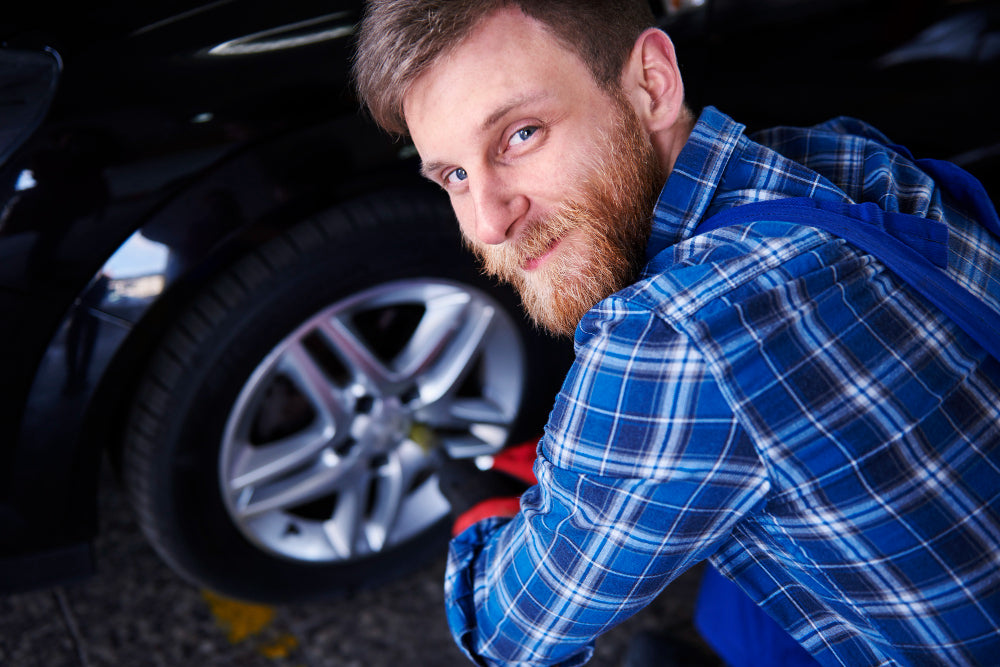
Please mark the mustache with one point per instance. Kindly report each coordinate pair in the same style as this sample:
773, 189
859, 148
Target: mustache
507, 259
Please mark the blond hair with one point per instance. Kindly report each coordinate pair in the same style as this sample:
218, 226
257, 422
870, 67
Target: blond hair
401, 39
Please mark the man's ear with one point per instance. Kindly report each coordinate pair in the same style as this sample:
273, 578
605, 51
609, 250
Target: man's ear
652, 81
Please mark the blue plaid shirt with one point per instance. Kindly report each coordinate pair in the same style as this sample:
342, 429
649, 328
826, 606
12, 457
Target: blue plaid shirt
773, 400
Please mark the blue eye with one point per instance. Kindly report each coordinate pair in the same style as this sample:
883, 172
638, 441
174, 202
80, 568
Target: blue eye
456, 176
522, 135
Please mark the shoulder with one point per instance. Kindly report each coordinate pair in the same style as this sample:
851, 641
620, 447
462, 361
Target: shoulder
639, 401
837, 134
858, 159
731, 264
625, 335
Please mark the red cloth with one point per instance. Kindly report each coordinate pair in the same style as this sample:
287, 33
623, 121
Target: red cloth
487, 509
516, 461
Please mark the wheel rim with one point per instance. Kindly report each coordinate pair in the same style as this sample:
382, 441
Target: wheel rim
330, 449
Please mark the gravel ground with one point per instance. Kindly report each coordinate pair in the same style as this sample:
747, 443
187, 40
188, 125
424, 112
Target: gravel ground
136, 612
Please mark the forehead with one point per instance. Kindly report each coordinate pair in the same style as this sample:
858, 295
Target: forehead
508, 57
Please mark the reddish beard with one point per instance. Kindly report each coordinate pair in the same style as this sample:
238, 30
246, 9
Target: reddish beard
601, 232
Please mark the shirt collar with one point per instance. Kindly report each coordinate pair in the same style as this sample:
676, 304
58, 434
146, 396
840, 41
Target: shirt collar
694, 179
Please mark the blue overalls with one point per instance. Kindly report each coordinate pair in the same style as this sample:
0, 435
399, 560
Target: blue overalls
916, 250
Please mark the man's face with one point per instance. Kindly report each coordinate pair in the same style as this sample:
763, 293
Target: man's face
551, 178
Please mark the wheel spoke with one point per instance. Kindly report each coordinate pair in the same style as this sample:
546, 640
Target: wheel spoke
253, 465
262, 464
478, 411
363, 364
446, 345
302, 369
325, 475
443, 318
344, 529
480, 440
391, 483
460, 413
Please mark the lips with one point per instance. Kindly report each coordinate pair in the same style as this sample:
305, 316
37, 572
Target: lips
533, 263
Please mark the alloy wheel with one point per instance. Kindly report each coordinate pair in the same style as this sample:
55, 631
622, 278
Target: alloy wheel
330, 449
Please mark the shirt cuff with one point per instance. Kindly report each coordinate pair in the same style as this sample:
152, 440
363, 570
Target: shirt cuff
459, 589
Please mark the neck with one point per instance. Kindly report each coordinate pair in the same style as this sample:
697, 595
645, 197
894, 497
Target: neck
668, 143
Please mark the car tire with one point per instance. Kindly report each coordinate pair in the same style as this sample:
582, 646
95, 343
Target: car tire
282, 443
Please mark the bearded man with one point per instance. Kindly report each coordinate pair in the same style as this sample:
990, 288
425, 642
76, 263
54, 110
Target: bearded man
765, 395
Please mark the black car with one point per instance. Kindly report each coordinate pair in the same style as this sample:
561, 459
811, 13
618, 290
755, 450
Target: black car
215, 270
219, 275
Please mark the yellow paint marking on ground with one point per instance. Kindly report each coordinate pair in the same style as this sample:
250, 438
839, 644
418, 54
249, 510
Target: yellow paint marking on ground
244, 621
240, 620
281, 647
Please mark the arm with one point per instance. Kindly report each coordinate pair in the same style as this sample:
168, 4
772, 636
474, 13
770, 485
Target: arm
641, 474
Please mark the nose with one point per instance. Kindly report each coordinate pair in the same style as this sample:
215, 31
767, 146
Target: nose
497, 207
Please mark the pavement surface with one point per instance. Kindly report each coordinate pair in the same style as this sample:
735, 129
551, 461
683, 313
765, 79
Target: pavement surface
136, 613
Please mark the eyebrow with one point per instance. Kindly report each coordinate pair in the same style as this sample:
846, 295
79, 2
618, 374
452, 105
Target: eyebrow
510, 105
428, 169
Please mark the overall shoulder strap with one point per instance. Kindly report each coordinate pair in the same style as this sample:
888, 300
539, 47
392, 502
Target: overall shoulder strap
913, 248
961, 187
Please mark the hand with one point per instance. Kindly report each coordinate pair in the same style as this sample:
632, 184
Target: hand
477, 494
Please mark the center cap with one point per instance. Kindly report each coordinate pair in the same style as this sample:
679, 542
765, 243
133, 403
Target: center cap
389, 423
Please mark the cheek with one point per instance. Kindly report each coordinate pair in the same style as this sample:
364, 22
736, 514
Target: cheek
466, 220
562, 178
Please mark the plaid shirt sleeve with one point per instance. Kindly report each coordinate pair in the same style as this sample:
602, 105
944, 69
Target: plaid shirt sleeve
608, 526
